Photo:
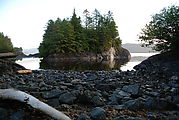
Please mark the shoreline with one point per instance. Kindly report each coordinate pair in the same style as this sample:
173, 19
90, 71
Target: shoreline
146, 93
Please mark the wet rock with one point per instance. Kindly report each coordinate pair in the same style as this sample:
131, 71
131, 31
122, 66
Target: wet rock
153, 94
83, 117
91, 76
132, 89
119, 107
52, 94
136, 104
118, 96
97, 101
90, 97
157, 104
98, 114
67, 98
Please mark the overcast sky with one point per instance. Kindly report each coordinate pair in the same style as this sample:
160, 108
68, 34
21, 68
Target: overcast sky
24, 21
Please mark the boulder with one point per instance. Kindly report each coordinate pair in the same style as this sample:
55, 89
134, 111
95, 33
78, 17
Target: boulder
132, 89
135, 104
119, 96
83, 117
8, 67
67, 98
52, 94
98, 114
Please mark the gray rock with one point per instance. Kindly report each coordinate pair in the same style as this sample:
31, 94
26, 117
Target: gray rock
119, 107
134, 104
153, 94
52, 94
117, 97
98, 114
83, 117
175, 78
91, 77
150, 103
132, 89
157, 103
90, 97
97, 101
67, 98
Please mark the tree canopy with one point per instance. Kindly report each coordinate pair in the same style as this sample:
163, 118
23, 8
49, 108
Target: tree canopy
163, 30
96, 33
5, 44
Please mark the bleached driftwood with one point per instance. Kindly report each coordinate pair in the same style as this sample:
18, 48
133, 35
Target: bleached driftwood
24, 71
13, 94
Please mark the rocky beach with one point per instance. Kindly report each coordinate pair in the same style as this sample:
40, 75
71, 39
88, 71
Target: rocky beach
149, 92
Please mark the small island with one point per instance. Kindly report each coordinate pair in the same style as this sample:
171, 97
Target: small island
94, 39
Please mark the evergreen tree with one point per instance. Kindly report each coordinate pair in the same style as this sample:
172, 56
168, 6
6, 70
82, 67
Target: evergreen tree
69, 36
5, 44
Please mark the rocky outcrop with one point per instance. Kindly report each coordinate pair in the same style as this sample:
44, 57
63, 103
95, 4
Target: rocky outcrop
110, 55
8, 67
166, 62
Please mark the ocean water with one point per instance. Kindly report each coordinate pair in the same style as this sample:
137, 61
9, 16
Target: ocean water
37, 63
136, 58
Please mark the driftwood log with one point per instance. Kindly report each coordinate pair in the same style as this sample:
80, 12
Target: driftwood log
13, 94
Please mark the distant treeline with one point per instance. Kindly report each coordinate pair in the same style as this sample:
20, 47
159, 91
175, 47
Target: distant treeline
7, 46
96, 33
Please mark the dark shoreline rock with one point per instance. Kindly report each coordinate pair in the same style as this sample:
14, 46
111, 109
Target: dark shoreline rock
121, 54
165, 62
9, 67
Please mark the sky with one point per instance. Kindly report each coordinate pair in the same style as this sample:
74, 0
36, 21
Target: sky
24, 21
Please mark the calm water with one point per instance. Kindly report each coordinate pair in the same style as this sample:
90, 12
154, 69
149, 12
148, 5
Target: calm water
37, 63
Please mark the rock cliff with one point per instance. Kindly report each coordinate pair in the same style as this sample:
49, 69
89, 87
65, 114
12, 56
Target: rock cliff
110, 55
